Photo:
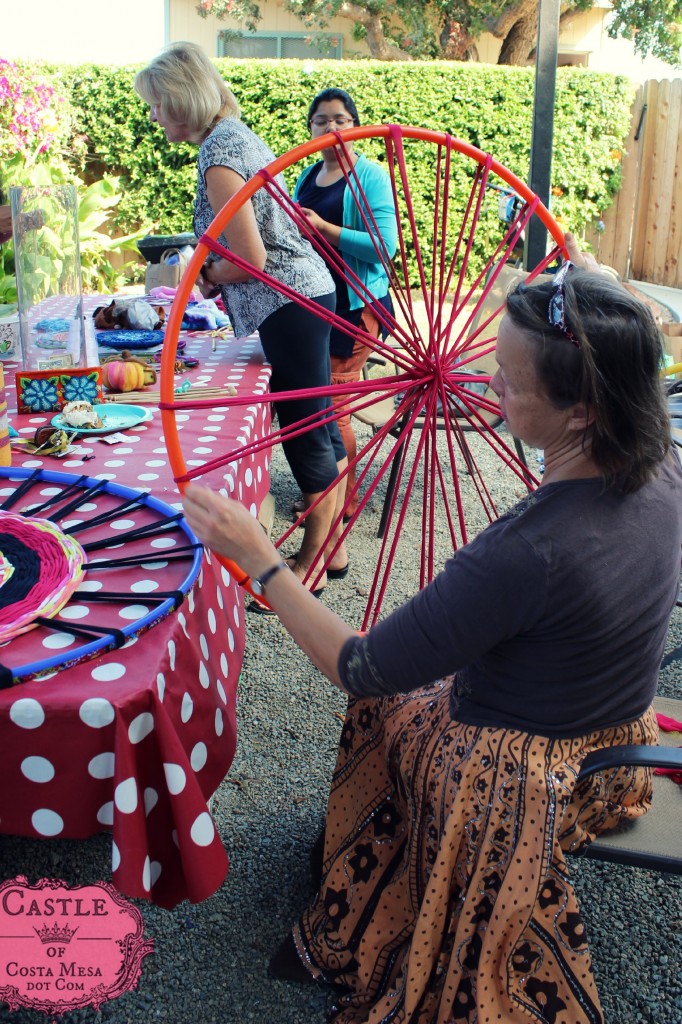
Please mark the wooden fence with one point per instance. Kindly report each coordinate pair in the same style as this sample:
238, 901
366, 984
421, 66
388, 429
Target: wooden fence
642, 236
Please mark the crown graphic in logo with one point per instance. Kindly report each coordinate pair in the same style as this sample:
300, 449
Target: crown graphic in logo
55, 933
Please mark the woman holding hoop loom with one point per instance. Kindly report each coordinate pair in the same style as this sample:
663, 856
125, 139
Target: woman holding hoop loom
190, 100
445, 894
328, 194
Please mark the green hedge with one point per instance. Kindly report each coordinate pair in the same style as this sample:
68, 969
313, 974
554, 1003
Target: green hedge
488, 106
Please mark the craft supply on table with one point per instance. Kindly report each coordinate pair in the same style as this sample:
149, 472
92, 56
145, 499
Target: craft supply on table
193, 393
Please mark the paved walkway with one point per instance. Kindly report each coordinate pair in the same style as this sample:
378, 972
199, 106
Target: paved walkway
670, 297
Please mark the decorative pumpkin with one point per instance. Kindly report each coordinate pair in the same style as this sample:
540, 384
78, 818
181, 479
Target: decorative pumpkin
127, 374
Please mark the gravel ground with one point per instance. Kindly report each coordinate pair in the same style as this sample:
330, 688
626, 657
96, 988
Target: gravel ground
210, 960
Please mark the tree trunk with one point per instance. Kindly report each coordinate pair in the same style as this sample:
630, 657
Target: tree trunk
379, 46
519, 42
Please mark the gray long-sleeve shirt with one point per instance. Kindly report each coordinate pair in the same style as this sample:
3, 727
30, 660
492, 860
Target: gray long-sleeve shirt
553, 619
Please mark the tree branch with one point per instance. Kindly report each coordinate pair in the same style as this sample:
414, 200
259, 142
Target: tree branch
379, 45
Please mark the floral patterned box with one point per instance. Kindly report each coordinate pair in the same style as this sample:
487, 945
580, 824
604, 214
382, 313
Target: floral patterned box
50, 390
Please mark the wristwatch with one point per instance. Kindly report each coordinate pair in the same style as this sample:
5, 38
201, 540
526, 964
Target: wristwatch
260, 583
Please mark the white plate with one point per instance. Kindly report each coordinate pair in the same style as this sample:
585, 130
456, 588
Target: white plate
114, 417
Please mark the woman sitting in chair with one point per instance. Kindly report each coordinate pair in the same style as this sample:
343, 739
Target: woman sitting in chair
445, 895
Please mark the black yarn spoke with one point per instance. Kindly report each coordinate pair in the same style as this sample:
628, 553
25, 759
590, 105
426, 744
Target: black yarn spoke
86, 496
88, 632
103, 517
117, 563
152, 529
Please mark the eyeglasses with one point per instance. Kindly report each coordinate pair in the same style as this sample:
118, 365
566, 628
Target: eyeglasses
322, 122
556, 313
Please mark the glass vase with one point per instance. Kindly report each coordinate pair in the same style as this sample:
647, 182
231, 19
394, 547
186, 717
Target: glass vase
47, 263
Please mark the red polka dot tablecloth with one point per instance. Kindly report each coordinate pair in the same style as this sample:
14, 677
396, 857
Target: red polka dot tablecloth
136, 740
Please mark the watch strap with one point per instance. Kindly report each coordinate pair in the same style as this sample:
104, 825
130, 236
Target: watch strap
263, 580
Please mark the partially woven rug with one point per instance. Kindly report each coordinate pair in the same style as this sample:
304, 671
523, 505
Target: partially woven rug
40, 567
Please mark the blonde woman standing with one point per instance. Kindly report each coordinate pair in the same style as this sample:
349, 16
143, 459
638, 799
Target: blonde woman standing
191, 102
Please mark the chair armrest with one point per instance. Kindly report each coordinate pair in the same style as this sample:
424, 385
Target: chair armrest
644, 756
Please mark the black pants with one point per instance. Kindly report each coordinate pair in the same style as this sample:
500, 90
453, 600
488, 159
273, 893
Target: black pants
296, 344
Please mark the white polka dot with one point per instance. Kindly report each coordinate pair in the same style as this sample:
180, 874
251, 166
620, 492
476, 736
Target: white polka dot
115, 857
163, 542
58, 641
74, 611
96, 712
105, 673
125, 796
219, 599
203, 676
230, 639
198, 757
171, 654
203, 644
146, 875
27, 713
183, 624
155, 462
154, 871
47, 822
89, 586
114, 464
123, 524
212, 620
203, 830
144, 586
202, 451
221, 692
175, 778
105, 814
141, 727
37, 769
248, 478
151, 799
219, 724
131, 612
102, 766
153, 566
187, 708
161, 685
148, 476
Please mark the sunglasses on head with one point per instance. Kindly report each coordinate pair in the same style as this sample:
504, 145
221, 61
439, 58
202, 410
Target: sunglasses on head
556, 313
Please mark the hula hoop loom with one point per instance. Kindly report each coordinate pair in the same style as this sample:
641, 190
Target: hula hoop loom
435, 373
42, 563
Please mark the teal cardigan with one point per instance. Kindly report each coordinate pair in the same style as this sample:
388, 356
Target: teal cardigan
356, 243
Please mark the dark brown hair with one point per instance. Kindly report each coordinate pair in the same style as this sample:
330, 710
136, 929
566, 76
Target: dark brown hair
613, 366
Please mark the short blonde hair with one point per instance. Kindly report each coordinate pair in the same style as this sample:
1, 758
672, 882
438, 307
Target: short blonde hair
187, 87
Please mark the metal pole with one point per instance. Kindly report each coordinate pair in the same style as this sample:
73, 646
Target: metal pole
540, 174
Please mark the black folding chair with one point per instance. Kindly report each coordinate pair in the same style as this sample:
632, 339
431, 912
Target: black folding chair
655, 840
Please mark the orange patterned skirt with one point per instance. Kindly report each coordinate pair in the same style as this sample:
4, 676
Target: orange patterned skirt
445, 895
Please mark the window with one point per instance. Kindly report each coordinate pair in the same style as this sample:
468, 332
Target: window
301, 46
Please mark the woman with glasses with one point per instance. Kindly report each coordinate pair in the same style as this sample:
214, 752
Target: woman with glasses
348, 199
444, 893
191, 102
